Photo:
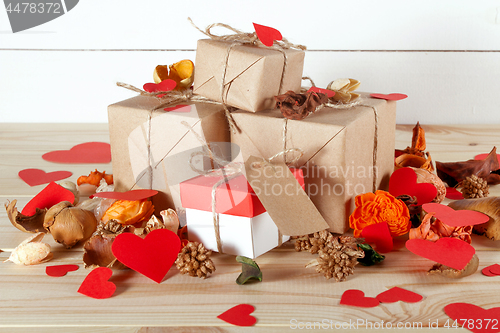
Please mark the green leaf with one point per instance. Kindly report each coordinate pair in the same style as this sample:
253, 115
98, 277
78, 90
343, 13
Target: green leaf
371, 256
249, 270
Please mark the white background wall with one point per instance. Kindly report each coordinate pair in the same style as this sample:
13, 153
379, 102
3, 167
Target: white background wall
444, 54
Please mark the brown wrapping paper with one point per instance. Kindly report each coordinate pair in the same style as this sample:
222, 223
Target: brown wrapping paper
338, 150
169, 141
253, 74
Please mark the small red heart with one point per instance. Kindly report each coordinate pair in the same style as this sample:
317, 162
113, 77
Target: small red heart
327, 92
492, 270
354, 297
390, 97
267, 35
486, 271
239, 315
379, 234
52, 194
179, 108
453, 194
165, 85
96, 284
152, 256
399, 294
451, 252
34, 177
89, 152
60, 270
483, 156
455, 218
129, 195
404, 181
474, 318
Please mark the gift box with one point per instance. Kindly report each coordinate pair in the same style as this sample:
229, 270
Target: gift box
148, 148
253, 74
346, 152
245, 228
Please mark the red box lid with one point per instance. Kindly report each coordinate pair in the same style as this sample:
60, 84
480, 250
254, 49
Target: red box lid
234, 197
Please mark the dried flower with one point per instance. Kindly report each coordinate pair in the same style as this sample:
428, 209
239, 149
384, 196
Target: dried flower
31, 251
94, 178
194, 259
432, 229
380, 207
298, 106
129, 212
170, 220
344, 90
414, 156
181, 72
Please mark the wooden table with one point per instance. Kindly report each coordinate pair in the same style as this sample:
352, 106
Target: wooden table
31, 301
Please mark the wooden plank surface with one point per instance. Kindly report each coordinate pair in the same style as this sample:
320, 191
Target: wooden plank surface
288, 295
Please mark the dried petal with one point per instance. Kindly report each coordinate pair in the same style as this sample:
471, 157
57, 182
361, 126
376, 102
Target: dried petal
94, 178
249, 270
129, 212
170, 219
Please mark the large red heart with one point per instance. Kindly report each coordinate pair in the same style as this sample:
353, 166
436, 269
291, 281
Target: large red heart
60, 270
355, 297
89, 152
165, 85
451, 252
52, 194
474, 318
152, 256
404, 181
399, 294
327, 92
239, 315
379, 234
390, 97
455, 218
132, 195
96, 284
34, 177
267, 35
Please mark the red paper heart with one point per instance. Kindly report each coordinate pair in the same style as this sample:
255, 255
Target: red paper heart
239, 315
492, 270
267, 35
96, 284
152, 256
52, 194
486, 271
60, 270
354, 297
453, 194
404, 181
129, 195
165, 85
451, 252
474, 318
390, 97
455, 218
379, 234
483, 156
327, 92
179, 108
34, 177
89, 152
399, 294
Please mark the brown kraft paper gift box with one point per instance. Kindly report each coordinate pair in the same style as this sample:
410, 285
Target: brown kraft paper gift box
338, 146
170, 144
252, 77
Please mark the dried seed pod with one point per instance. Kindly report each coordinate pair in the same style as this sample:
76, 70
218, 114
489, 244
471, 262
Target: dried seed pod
194, 259
170, 220
25, 223
425, 176
69, 225
471, 268
31, 251
489, 206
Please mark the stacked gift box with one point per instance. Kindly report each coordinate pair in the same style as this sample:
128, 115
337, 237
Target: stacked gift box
344, 151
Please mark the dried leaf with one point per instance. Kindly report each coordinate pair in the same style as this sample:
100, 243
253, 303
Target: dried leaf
298, 106
371, 257
249, 270
453, 173
26, 223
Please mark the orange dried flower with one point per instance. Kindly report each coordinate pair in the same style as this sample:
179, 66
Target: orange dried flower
181, 72
94, 178
433, 229
380, 207
129, 212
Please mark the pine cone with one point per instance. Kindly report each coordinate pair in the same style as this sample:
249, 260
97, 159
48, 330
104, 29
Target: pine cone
110, 227
338, 257
302, 243
474, 187
313, 242
194, 259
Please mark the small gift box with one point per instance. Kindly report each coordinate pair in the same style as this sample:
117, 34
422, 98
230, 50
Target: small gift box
149, 146
346, 152
244, 228
252, 74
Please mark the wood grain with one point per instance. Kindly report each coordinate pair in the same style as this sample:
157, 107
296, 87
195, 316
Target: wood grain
288, 295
